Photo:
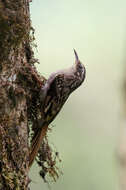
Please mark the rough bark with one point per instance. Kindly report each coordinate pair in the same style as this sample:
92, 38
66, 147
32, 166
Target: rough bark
15, 64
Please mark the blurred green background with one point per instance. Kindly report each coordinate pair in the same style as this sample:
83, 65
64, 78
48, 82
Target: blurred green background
87, 129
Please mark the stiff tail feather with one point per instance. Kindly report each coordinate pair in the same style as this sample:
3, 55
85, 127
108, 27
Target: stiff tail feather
36, 144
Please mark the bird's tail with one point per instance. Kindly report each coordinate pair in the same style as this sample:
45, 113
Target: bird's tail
36, 144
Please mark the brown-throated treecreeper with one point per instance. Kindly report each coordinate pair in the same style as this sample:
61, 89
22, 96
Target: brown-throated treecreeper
53, 95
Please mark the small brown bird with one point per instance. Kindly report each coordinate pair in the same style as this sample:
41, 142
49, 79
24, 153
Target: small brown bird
53, 95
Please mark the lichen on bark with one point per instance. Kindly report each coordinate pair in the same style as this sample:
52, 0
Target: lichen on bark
14, 151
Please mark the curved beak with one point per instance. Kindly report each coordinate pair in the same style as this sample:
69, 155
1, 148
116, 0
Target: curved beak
76, 56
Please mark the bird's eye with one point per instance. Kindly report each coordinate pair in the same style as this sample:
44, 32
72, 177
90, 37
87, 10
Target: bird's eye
80, 66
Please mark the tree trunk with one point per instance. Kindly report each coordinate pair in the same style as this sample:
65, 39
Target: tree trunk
15, 59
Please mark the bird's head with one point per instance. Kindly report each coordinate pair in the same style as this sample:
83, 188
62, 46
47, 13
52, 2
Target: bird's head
80, 70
